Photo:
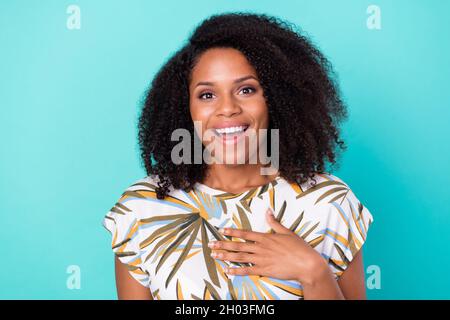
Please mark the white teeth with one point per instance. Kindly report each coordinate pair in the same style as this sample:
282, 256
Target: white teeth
231, 129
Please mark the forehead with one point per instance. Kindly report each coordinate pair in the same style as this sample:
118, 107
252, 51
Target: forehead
221, 64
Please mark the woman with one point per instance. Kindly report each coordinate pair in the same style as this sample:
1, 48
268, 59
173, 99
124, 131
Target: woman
294, 230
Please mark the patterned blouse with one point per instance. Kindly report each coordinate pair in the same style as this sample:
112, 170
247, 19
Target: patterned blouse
164, 243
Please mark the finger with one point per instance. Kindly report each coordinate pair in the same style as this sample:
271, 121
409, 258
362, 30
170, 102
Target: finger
243, 271
275, 224
234, 256
245, 234
234, 246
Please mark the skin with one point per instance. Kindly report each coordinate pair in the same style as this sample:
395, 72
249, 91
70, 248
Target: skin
224, 87
129, 288
217, 96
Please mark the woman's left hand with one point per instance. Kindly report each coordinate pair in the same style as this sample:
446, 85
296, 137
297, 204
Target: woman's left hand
282, 255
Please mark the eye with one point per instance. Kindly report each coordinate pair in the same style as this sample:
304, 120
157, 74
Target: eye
247, 90
206, 95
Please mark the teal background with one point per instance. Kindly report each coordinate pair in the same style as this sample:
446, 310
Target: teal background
69, 103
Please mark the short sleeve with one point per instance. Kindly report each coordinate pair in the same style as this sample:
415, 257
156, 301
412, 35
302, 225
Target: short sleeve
348, 225
122, 223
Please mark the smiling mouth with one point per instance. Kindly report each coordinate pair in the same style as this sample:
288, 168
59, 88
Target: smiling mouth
231, 131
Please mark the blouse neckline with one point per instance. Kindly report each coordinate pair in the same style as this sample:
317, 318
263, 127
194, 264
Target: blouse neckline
246, 193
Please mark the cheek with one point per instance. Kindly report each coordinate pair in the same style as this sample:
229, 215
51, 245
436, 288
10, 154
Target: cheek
200, 115
260, 113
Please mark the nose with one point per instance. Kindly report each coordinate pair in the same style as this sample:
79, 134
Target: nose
228, 107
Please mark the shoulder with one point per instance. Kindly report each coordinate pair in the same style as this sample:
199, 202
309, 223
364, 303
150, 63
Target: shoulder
326, 187
147, 183
139, 199
130, 204
323, 179
344, 220
129, 200
342, 210
333, 197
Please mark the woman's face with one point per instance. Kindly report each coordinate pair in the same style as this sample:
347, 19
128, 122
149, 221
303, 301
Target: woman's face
227, 98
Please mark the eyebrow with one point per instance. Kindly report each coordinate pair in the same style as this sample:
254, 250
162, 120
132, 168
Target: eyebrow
207, 83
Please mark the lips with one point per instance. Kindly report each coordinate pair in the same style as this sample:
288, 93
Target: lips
230, 128
233, 130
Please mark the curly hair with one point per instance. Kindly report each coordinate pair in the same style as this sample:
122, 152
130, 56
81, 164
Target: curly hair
299, 86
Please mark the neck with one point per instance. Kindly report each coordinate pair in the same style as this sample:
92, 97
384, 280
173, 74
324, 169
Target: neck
236, 178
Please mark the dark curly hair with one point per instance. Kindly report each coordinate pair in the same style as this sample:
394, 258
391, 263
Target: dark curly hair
299, 86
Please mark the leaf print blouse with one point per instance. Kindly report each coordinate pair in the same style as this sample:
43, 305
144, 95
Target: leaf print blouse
164, 243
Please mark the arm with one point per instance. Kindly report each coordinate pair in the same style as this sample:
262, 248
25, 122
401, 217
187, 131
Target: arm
127, 287
351, 284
